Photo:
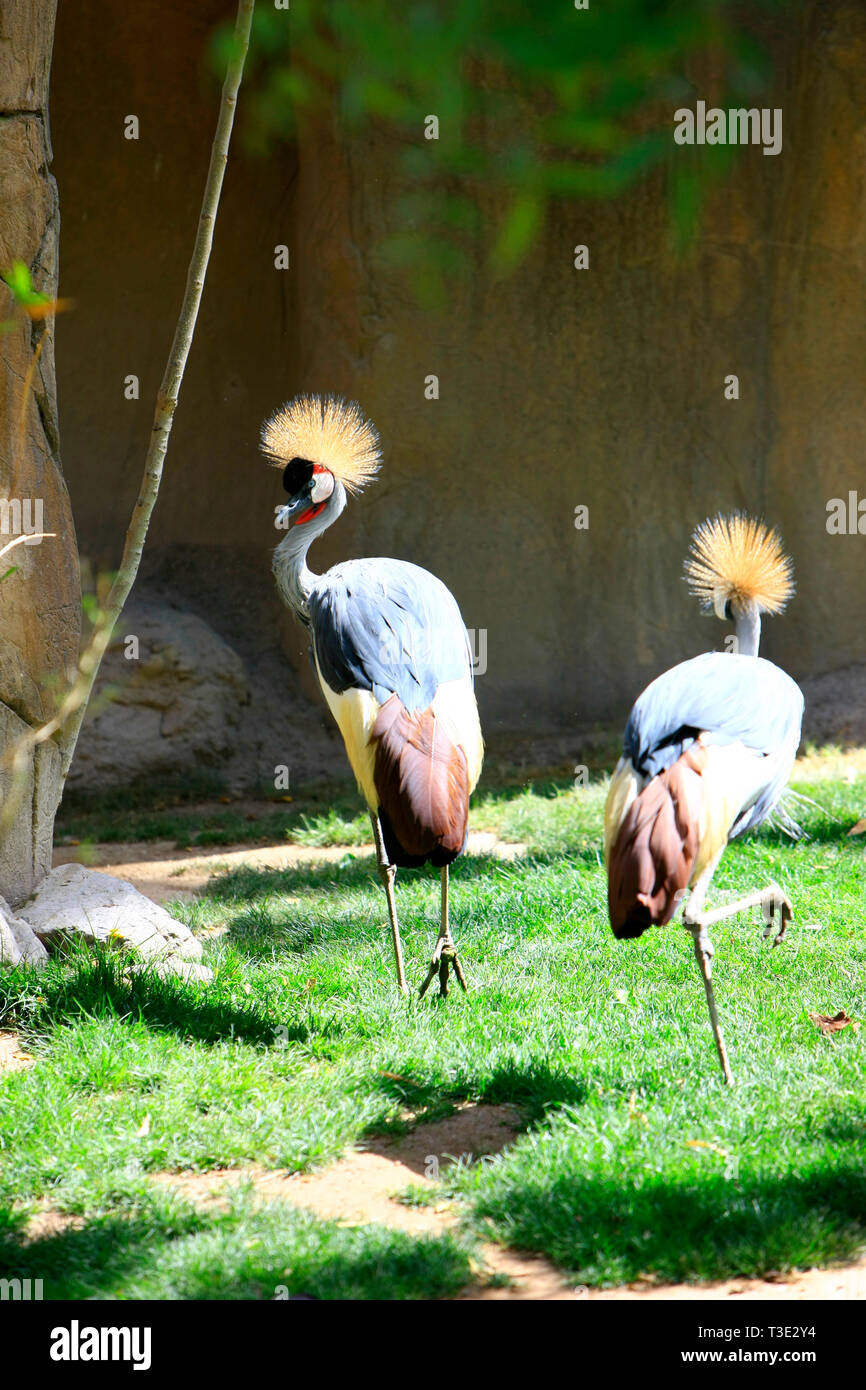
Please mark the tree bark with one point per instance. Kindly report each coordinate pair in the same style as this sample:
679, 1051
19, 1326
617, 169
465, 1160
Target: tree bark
40, 603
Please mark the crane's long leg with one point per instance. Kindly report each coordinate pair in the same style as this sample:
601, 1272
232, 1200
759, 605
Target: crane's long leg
697, 921
704, 957
445, 951
388, 873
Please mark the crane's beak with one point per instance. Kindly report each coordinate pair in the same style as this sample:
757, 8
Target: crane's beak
288, 514
300, 509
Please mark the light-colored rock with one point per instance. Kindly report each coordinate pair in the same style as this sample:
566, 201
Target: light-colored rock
76, 902
174, 707
19, 944
188, 970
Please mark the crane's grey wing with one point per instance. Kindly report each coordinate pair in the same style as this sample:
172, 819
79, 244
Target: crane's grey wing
389, 627
729, 699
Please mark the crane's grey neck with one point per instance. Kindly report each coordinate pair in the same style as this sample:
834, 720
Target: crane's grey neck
295, 580
747, 622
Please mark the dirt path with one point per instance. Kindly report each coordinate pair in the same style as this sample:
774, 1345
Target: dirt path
164, 874
363, 1187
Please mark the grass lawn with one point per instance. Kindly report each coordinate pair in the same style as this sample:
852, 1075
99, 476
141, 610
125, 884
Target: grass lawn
634, 1160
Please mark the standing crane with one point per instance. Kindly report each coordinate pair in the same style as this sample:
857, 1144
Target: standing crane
392, 657
707, 752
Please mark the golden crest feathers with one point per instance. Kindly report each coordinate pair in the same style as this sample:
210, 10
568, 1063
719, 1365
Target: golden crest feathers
736, 559
326, 430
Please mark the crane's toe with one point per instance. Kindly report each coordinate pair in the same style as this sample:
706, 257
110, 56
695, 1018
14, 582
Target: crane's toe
444, 960
776, 907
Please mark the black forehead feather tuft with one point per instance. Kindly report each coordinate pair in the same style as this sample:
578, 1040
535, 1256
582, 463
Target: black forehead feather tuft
296, 474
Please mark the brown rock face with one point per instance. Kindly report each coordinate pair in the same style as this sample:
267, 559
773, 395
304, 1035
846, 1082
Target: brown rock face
39, 602
559, 388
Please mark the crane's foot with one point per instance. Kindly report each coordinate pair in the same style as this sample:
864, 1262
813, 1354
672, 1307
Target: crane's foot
445, 958
776, 907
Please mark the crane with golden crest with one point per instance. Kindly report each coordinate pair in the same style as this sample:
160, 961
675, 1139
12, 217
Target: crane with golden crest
392, 657
707, 752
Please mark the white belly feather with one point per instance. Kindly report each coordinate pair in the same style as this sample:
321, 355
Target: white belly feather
355, 714
734, 778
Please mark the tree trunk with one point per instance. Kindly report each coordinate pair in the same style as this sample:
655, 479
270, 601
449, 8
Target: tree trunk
40, 602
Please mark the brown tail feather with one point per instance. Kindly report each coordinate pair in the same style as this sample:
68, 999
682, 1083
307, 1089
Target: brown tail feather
422, 783
654, 852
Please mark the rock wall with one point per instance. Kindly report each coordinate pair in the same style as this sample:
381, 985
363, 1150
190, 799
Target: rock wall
558, 387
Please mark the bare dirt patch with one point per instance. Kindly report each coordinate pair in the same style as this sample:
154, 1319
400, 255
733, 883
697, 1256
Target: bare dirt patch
46, 1222
12, 1055
844, 1282
363, 1187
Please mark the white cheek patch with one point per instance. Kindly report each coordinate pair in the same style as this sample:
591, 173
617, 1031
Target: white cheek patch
323, 486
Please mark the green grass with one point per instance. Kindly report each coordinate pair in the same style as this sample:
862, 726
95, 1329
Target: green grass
331, 828
546, 815
190, 827
634, 1160
160, 1247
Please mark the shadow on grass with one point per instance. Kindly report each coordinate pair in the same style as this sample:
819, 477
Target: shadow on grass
847, 1128
248, 1253
97, 986
259, 937
534, 1088
83, 1261
294, 911
358, 870
599, 1230
179, 807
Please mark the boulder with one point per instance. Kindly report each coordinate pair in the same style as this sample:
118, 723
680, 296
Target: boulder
19, 944
73, 901
167, 702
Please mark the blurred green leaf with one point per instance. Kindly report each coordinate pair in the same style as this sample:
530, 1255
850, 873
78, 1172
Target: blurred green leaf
20, 283
535, 102
518, 230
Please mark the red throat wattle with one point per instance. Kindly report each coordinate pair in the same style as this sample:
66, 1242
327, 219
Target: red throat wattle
310, 513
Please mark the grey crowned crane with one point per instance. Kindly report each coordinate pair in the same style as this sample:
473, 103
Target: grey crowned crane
392, 656
708, 749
